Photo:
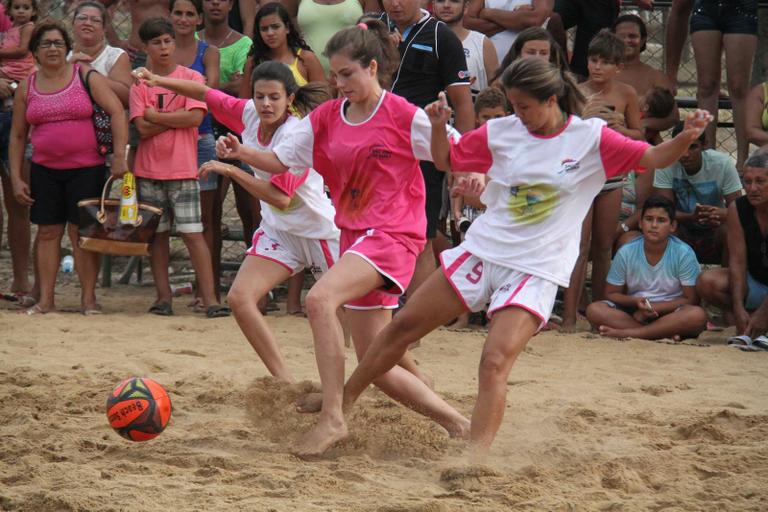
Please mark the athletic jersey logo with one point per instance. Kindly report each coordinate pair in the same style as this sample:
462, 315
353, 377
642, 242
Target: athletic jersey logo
531, 204
568, 165
380, 152
463, 74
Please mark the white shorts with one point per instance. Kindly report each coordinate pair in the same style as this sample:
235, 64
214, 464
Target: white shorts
293, 252
479, 282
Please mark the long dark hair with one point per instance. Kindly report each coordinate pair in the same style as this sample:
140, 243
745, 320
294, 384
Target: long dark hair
556, 55
259, 50
306, 98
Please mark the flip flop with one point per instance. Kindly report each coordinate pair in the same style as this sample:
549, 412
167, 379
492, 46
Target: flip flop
741, 340
34, 310
217, 311
161, 309
761, 342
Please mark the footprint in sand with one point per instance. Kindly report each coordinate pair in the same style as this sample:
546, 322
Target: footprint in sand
184, 353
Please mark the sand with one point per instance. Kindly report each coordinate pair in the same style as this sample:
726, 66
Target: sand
591, 424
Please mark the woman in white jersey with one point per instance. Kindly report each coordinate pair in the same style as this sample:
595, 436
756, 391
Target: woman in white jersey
297, 229
545, 167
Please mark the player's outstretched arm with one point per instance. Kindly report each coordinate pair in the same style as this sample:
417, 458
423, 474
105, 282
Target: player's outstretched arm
668, 152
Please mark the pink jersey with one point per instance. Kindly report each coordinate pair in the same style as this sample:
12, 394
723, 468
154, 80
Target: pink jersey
371, 168
540, 189
310, 213
62, 135
172, 154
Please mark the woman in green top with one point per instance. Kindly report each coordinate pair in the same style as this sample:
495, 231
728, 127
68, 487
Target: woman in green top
319, 19
233, 46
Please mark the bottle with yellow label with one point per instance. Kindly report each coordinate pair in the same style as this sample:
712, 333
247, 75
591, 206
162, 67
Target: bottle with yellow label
129, 205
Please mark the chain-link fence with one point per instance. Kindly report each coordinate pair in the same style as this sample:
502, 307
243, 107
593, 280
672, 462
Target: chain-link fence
654, 56
656, 22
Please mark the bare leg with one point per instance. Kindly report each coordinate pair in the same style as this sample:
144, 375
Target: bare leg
295, 284
572, 294
431, 306
201, 262
707, 48
19, 237
676, 32
713, 286
254, 279
401, 384
48, 256
686, 322
349, 278
508, 334
211, 218
601, 315
158, 262
739, 52
321, 299
605, 218
425, 265
87, 267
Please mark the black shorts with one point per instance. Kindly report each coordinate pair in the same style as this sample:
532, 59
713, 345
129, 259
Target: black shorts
56, 192
433, 186
728, 17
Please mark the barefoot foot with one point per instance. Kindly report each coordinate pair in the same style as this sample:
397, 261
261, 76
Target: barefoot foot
317, 441
459, 429
309, 403
610, 332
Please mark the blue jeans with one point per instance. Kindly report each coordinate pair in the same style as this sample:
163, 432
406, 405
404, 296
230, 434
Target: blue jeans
756, 293
206, 150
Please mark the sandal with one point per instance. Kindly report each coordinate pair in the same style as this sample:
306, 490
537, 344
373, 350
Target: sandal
34, 310
217, 311
761, 342
161, 309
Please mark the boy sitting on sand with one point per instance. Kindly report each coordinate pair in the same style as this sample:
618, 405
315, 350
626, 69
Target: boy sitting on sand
651, 290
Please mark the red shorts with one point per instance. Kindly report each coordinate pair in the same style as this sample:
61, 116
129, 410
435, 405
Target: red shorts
393, 256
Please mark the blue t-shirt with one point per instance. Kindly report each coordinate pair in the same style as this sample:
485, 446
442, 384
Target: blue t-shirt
662, 282
716, 179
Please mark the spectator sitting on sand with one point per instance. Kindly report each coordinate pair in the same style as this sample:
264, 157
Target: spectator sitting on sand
651, 290
742, 288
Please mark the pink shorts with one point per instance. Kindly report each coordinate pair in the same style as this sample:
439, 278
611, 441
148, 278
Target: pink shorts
393, 256
480, 283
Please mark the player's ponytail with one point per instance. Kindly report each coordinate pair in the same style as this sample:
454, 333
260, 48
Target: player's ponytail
542, 80
306, 98
365, 42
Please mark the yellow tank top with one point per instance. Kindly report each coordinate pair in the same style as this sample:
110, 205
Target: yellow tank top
300, 80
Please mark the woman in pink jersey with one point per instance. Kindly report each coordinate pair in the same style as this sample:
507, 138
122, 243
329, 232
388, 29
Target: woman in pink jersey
55, 107
367, 146
545, 166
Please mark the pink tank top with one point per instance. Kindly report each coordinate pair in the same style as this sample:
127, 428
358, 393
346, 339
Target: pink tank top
19, 68
63, 136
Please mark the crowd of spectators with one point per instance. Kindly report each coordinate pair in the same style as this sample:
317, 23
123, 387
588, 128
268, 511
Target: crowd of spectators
646, 235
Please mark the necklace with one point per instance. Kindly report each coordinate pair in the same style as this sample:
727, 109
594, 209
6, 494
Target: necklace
217, 45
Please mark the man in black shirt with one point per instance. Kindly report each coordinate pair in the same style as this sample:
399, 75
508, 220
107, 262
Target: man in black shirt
741, 290
431, 60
